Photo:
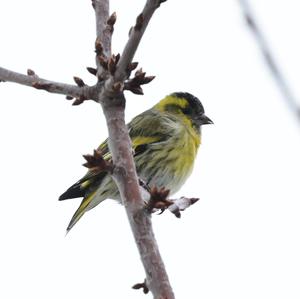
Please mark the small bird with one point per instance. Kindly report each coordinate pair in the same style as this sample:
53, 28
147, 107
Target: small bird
165, 140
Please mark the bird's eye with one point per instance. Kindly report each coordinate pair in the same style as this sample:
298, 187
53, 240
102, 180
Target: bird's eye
187, 110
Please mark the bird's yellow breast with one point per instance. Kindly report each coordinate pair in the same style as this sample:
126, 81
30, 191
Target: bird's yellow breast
180, 158
188, 144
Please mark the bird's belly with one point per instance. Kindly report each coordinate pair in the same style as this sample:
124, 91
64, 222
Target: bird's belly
169, 167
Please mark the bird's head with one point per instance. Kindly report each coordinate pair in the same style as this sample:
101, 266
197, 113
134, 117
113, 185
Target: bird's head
186, 106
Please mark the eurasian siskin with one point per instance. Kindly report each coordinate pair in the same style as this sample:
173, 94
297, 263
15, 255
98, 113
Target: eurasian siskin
165, 140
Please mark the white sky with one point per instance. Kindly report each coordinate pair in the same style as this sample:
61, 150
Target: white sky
240, 241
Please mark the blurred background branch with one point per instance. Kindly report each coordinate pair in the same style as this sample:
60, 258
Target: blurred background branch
270, 60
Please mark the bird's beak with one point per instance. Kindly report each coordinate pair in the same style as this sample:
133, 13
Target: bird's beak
204, 120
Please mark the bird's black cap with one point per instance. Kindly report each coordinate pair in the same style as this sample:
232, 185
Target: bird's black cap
194, 102
195, 108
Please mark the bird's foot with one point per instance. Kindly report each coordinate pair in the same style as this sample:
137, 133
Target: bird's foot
144, 185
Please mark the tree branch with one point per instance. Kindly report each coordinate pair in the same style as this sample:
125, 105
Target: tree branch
124, 174
50, 86
126, 179
269, 58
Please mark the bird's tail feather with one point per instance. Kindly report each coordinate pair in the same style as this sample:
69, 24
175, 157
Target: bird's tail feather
73, 192
80, 188
81, 210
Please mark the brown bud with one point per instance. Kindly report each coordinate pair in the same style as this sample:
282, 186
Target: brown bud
132, 66
92, 70
139, 22
137, 90
98, 47
41, 85
103, 62
79, 101
118, 58
140, 73
112, 19
177, 213
79, 81
148, 79
142, 286
97, 163
130, 30
30, 72
118, 86
160, 2
112, 64
159, 194
194, 200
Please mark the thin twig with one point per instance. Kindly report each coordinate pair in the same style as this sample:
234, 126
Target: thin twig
135, 37
269, 58
102, 15
50, 86
103, 36
159, 201
181, 204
